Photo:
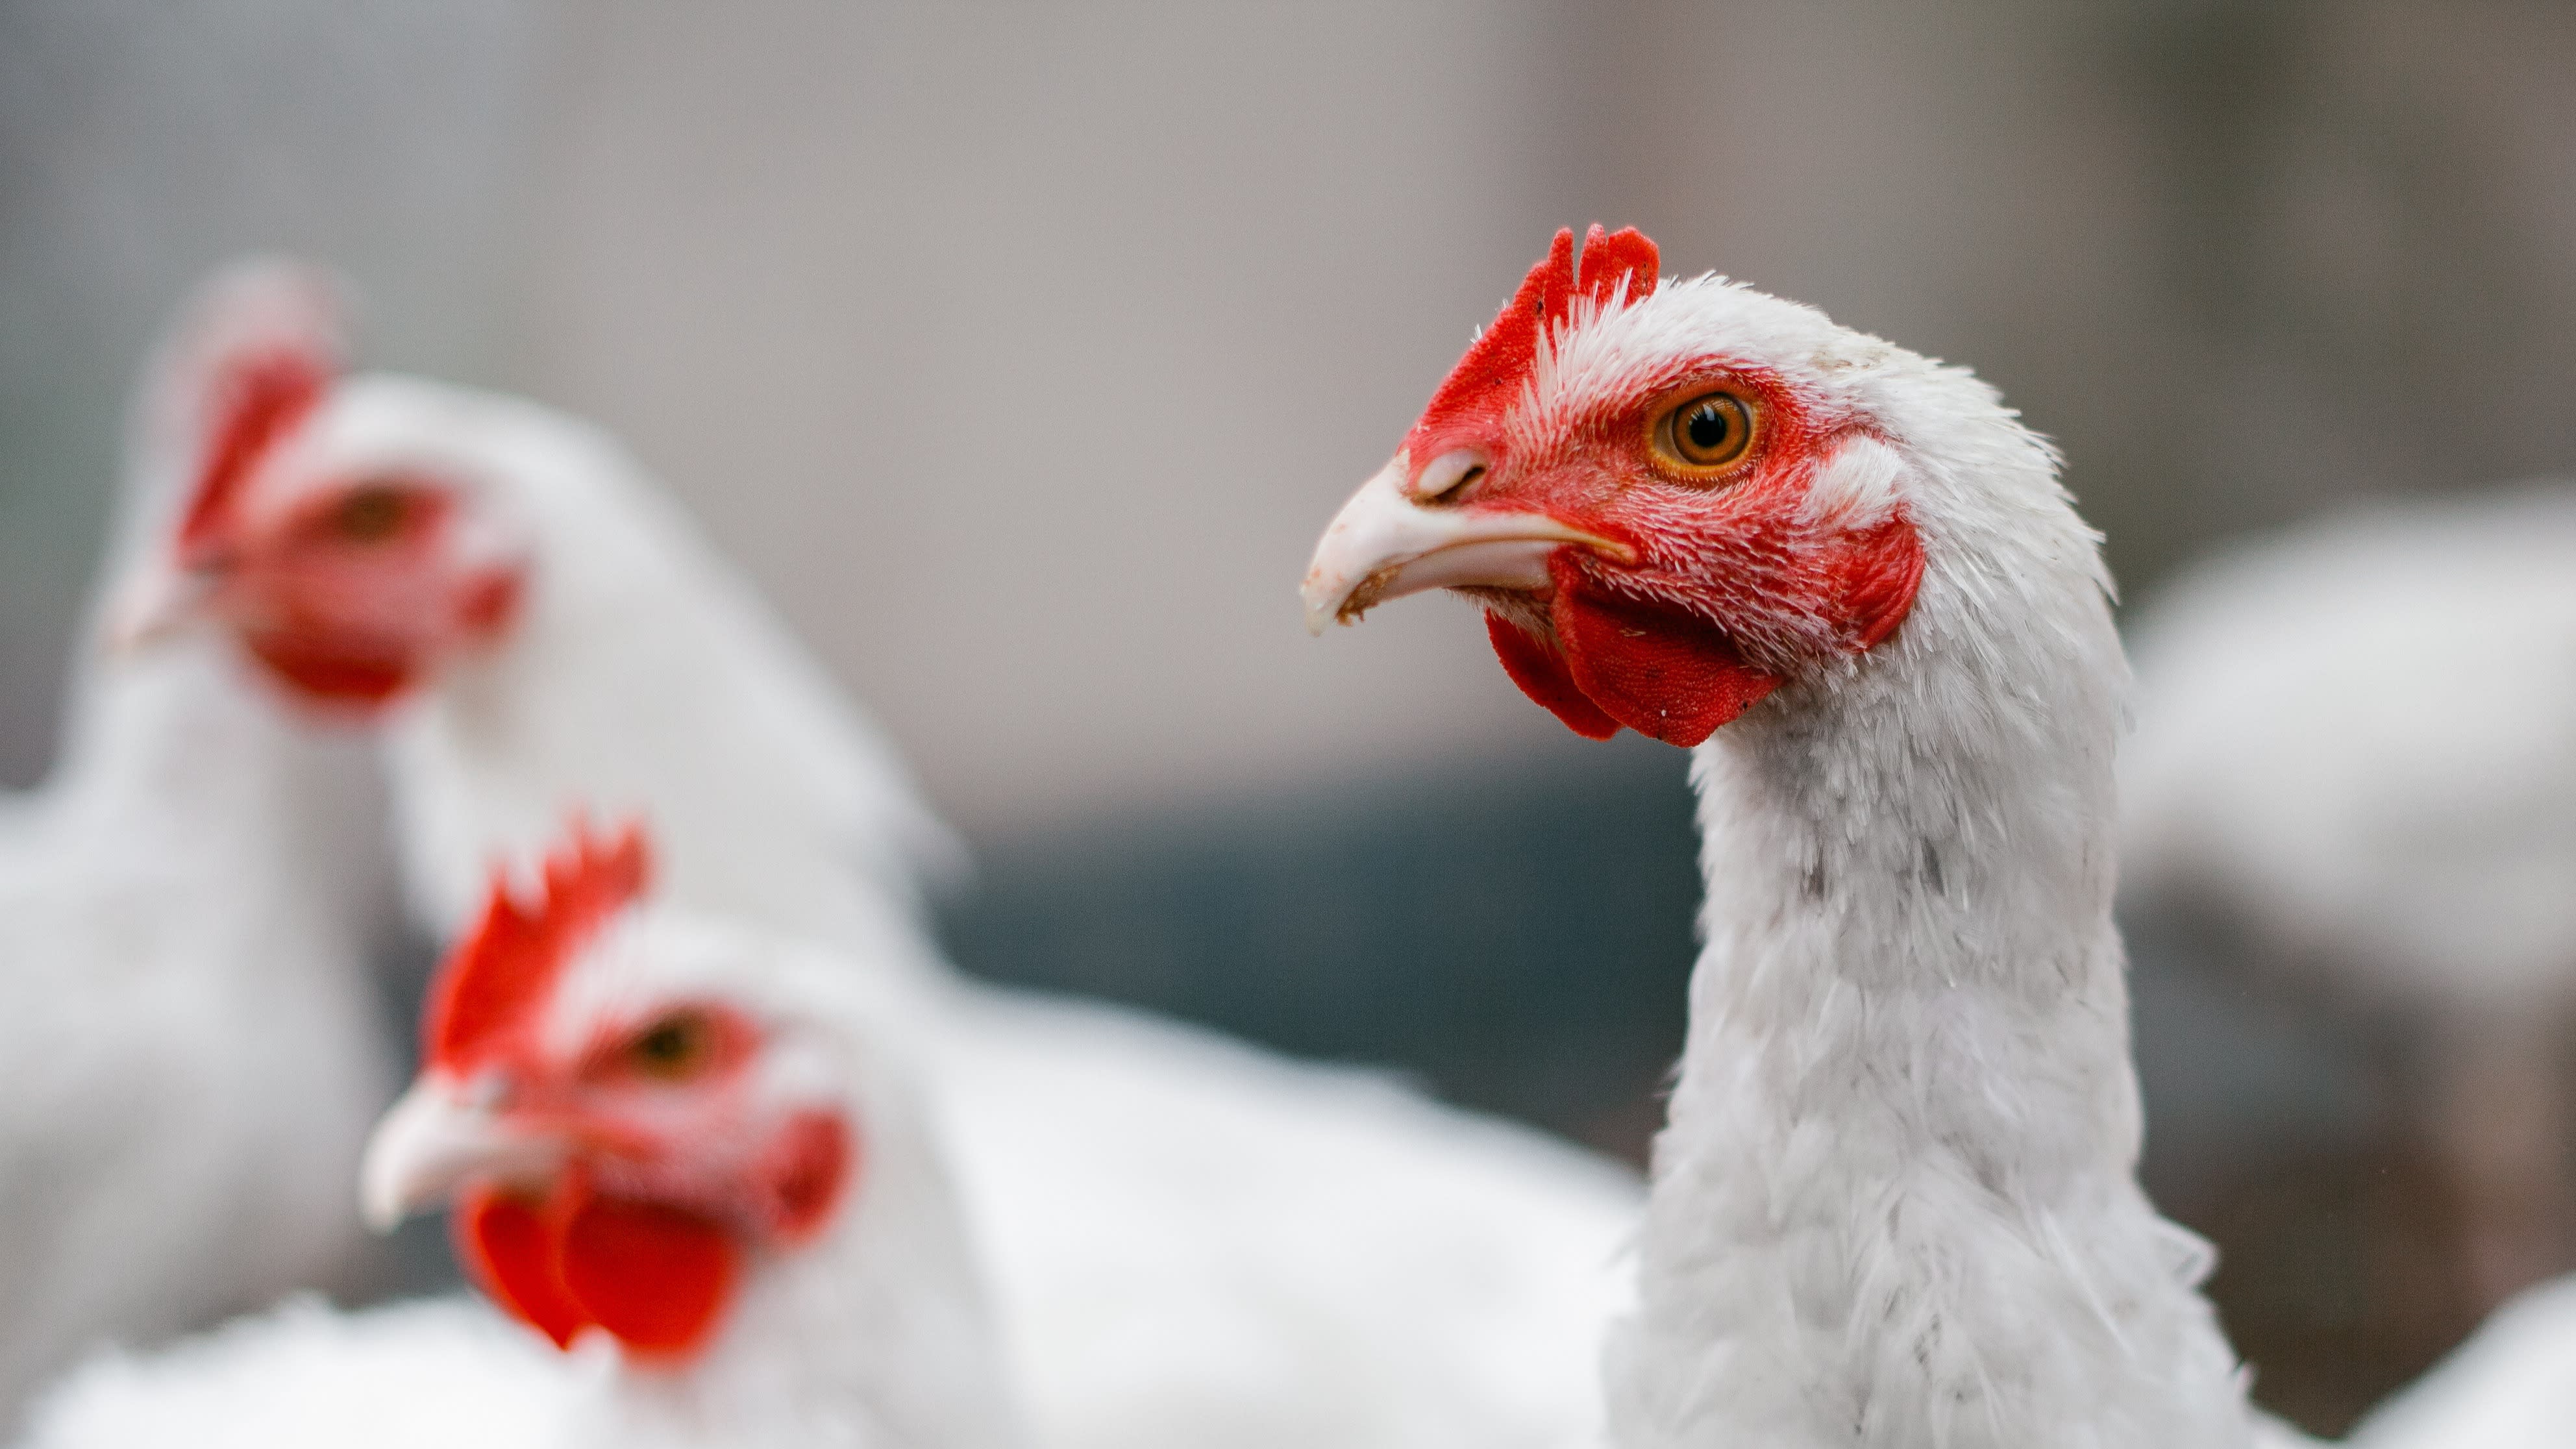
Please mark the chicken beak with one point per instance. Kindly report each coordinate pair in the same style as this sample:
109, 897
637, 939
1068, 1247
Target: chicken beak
433, 1141
155, 604
1386, 543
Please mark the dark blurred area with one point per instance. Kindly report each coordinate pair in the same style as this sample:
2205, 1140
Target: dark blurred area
1018, 351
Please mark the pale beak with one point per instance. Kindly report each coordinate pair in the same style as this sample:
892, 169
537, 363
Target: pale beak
155, 603
1385, 544
435, 1139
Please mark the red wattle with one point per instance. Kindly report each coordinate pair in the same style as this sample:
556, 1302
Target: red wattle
1656, 670
1536, 666
657, 1277
510, 1250
332, 681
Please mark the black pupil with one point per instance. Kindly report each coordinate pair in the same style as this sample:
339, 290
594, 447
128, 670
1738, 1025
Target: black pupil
371, 515
1708, 427
668, 1043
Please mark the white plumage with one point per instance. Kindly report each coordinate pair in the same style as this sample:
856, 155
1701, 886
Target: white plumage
1192, 1242
2357, 744
1943, 1242
2511, 1386
189, 1040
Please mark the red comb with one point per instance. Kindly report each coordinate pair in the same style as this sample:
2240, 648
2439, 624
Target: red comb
509, 962
253, 401
1617, 269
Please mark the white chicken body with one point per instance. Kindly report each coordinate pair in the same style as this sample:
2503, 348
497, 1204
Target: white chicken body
2511, 1386
2357, 747
192, 1044
2411, 833
1193, 1242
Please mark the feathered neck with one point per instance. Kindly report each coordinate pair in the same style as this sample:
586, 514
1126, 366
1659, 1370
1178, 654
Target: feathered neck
177, 746
644, 677
878, 1337
1896, 1202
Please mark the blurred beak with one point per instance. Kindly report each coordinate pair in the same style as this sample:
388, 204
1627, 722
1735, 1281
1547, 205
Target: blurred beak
433, 1141
156, 603
1384, 544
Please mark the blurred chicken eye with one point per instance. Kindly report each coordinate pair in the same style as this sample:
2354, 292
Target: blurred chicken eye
370, 515
674, 1048
1707, 434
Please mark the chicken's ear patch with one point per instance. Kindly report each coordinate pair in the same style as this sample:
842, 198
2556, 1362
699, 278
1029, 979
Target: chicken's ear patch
259, 349
805, 1173
495, 981
1617, 269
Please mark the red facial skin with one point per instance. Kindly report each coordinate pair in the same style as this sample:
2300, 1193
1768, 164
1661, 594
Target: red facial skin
674, 1172
352, 595
671, 1184
1730, 590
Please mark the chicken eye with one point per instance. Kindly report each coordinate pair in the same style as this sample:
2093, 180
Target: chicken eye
371, 514
1707, 434
673, 1049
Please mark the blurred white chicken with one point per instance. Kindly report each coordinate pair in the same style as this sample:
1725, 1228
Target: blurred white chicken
190, 1043
1191, 1242
2357, 744
693, 1156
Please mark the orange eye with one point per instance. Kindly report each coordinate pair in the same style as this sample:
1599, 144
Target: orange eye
371, 514
1707, 434
673, 1049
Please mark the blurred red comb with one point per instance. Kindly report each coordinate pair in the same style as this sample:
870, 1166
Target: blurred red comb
261, 349
506, 966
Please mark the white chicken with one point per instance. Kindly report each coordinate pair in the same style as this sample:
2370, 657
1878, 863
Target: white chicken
2357, 745
1191, 1242
1896, 1202
692, 1158
2511, 1386
190, 1040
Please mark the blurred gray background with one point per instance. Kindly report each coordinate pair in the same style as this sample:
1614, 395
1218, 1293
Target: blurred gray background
1020, 350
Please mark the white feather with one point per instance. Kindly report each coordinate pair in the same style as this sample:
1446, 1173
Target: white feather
2511, 1386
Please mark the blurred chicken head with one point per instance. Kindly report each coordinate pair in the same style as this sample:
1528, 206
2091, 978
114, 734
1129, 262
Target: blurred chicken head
348, 568
1662, 499
624, 1118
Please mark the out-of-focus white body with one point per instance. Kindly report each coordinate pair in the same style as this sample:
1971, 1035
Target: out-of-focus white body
190, 1046
2361, 737
1191, 1242
2511, 1386
875, 1336
2357, 744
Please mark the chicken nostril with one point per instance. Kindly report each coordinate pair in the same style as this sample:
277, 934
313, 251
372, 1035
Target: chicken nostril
1457, 492
1447, 478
